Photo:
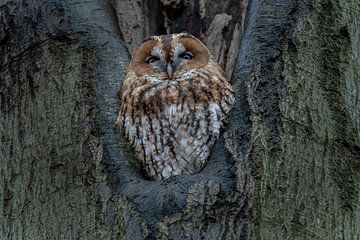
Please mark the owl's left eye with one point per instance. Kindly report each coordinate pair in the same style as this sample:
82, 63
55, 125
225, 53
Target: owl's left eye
186, 55
152, 59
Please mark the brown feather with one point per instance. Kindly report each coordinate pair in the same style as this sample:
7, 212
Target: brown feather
172, 123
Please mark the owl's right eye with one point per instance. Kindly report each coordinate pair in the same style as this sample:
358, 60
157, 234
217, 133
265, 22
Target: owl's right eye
152, 59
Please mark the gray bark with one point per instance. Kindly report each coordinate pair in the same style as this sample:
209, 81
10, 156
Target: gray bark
300, 67
287, 167
59, 60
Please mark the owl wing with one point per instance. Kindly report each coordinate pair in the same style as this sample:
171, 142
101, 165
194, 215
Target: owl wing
124, 96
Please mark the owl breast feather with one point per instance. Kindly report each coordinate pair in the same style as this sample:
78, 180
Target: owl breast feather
172, 126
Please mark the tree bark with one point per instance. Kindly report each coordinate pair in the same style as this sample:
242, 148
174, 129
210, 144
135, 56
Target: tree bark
287, 166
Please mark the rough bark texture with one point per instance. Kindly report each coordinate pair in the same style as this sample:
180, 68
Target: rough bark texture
300, 64
287, 167
59, 60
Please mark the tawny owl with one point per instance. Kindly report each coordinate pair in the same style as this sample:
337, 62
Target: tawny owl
175, 100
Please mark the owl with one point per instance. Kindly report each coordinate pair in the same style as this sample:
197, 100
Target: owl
175, 100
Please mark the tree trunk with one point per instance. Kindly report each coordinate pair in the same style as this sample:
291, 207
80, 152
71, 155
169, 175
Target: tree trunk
287, 167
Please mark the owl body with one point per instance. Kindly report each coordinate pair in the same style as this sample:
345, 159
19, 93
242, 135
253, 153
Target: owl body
173, 105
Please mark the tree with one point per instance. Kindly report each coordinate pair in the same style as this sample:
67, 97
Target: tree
287, 166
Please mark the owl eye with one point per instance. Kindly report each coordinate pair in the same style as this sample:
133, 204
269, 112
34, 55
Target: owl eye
186, 55
152, 59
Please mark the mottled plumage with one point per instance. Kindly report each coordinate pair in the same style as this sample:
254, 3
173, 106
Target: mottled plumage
174, 102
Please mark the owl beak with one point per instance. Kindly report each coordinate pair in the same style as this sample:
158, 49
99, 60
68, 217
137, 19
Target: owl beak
169, 69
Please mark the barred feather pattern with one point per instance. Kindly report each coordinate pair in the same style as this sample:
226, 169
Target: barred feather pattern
173, 124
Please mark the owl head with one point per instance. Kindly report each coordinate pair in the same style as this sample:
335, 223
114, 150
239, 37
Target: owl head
167, 57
